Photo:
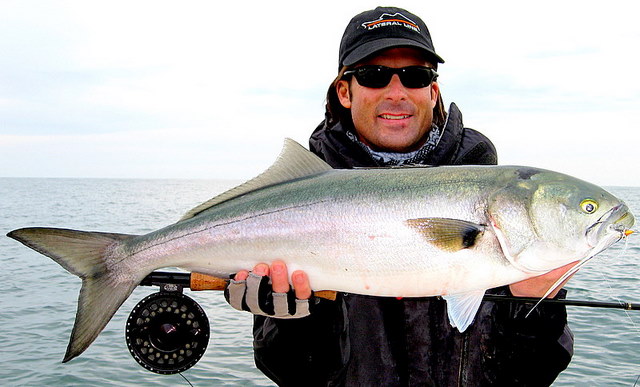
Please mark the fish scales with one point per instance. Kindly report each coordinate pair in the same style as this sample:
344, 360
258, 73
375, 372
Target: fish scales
331, 213
332, 227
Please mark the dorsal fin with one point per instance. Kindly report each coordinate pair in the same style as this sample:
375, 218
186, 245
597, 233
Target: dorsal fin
294, 162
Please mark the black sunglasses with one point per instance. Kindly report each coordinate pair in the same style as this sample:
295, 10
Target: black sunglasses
376, 77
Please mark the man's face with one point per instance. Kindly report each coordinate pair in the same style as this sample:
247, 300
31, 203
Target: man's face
392, 118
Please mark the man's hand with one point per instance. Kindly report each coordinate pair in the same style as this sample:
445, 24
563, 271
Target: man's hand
252, 292
536, 287
280, 278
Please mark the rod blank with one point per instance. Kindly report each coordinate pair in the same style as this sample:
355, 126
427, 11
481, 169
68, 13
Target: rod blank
592, 304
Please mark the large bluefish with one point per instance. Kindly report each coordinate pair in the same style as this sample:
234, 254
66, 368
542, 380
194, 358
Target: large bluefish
451, 231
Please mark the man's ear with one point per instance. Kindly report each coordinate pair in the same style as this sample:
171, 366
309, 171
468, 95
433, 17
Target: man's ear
435, 91
342, 90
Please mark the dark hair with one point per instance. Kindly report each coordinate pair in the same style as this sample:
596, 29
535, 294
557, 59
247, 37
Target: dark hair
335, 112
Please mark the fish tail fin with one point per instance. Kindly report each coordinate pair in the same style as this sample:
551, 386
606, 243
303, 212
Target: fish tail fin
92, 257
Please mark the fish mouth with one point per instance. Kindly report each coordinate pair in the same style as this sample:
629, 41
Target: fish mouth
611, 227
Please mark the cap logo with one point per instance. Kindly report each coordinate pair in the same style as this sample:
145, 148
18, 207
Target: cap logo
386, 19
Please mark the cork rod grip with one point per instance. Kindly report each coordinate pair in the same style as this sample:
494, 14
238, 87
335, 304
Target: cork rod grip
201, 281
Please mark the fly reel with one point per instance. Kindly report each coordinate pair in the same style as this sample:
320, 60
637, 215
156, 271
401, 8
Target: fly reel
167, 332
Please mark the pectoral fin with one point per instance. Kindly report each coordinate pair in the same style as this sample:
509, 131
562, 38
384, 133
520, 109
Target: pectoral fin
448, 234
462, 308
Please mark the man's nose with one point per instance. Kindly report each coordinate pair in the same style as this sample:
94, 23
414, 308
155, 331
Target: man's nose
395, 89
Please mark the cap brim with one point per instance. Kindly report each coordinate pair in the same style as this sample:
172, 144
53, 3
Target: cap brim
370, 48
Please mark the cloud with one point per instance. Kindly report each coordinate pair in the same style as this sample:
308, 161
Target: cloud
153, 89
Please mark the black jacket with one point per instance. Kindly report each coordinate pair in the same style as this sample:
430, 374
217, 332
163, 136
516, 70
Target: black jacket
378, 341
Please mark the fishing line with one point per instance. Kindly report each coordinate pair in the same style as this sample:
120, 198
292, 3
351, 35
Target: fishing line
609, 289
185, 378
612, 294
625, 250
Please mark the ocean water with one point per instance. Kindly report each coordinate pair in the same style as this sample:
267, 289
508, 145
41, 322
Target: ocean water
38, 297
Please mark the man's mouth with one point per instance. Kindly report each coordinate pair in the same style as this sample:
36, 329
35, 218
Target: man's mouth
394, 116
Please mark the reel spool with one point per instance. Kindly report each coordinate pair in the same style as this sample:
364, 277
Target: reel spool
167, 332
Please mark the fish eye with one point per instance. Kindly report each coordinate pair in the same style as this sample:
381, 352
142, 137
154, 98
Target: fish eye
589, 206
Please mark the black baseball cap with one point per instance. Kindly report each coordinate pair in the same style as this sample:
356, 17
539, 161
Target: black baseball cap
382, 28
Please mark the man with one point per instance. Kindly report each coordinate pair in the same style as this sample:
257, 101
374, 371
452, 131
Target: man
383, 109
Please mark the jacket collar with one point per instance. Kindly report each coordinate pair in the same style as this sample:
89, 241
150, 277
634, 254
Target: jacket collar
336, 147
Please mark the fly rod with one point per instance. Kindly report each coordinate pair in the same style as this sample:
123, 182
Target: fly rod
592, 304
198, 281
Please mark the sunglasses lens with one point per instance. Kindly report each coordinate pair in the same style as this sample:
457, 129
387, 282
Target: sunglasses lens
416, 77
374, 77
413, 77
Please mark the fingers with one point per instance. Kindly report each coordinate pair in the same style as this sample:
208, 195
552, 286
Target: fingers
260, 269
301, 285
241, 275
280, 278
265, 291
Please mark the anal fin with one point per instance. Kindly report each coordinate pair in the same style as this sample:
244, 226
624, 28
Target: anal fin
462, 308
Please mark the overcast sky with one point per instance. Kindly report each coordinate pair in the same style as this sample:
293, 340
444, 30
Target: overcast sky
209, 89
